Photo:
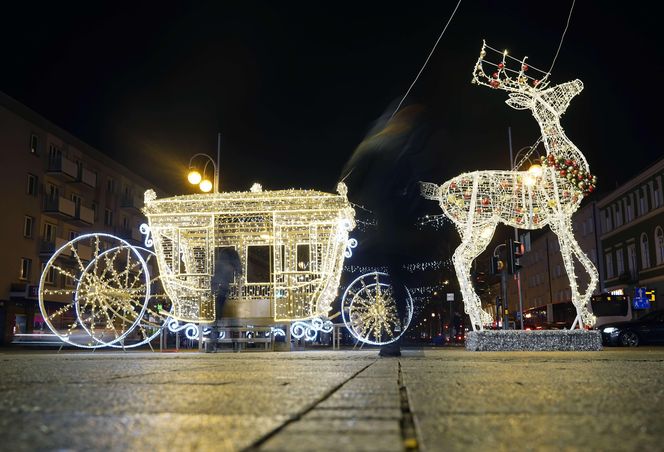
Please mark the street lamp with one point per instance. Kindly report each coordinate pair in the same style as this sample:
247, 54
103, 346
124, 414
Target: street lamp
196, 177
534, 172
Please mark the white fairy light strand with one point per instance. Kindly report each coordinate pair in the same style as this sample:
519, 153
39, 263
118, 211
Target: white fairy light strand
477, 201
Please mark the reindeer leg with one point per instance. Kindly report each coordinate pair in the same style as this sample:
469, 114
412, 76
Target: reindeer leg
569, 248
474, 240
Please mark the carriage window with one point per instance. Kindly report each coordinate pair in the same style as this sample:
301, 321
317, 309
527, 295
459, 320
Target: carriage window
258, 263
303, 258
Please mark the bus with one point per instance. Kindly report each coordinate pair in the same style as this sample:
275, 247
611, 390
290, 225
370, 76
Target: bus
609, 308
606, 307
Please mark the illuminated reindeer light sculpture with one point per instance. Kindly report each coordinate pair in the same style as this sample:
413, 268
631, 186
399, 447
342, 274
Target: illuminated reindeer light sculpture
476, 202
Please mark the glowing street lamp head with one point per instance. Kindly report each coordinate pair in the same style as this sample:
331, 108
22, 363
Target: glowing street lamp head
535, 170
194, 177
205, 186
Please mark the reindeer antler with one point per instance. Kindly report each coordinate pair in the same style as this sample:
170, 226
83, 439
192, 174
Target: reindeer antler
504, 77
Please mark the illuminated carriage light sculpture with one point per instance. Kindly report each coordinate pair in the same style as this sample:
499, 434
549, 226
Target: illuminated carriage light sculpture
477, 201
303, 235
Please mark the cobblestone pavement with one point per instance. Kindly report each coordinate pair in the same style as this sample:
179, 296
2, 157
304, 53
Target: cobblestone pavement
442, 399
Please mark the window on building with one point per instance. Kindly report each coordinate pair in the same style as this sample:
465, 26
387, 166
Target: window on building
53, 192
94, 211
609, 265
659, 245
26, 267
27, 226
73, 235
645, 252
656, 197
34, 144
631, 259
618, 213
108, 217
54, 155
593, 256
77, 200
110, 185
643, 203
620, 262
50, 275
629, 209
608, 225
31, 186
125, 223
50, 231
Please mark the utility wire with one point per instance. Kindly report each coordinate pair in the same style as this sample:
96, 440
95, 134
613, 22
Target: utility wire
427, 60
563, 36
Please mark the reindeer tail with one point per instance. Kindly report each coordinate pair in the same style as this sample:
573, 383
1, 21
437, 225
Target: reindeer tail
430, 191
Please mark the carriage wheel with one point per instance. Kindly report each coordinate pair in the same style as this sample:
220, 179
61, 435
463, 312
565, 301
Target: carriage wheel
106, 293
157, 310
369, 309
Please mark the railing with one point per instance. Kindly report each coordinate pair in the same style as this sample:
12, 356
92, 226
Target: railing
88, 177
61, 165
85, 215
60, 205
131, 202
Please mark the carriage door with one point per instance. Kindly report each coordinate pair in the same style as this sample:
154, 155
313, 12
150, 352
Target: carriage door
195, 253
294, 280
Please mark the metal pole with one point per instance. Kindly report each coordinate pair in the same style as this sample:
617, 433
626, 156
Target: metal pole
516, 238
216, 167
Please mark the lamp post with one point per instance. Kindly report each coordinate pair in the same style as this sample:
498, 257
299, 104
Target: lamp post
195, 177
536, 171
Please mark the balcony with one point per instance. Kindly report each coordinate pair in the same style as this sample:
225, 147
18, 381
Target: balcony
48, 247
62, 168
84, 216
133, 236
131, 202
60, 208
87, 178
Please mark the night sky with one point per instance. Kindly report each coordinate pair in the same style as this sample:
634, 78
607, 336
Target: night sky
294, 87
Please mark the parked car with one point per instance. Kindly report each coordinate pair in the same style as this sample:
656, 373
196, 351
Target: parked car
649, 329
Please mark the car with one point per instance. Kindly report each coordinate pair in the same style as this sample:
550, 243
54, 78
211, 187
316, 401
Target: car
649, 329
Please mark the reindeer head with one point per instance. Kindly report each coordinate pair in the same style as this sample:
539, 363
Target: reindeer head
526, 90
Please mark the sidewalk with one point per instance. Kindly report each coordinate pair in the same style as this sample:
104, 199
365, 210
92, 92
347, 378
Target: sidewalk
442, 399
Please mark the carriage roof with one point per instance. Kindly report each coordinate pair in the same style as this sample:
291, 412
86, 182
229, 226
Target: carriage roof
245, 202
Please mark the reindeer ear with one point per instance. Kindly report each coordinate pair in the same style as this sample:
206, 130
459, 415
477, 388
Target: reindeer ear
518, 101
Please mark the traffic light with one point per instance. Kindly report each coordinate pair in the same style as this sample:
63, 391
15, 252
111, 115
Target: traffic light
514, 252
651, 295
496, 265
479, 282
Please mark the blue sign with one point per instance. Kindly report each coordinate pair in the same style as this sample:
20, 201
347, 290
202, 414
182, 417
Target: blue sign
640, 300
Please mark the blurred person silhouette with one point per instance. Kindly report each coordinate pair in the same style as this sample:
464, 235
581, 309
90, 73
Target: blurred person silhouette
227, 265
380, 177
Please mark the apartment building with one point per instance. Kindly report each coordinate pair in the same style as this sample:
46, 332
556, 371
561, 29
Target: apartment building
54, 188
632, 234
545, 285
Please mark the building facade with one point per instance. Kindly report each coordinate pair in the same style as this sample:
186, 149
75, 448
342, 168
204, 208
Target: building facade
54, 188
545, 284
632, 235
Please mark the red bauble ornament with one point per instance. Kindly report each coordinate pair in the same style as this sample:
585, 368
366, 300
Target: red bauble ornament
495, 83
494, 75
486, 201
524, 67
501, 65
